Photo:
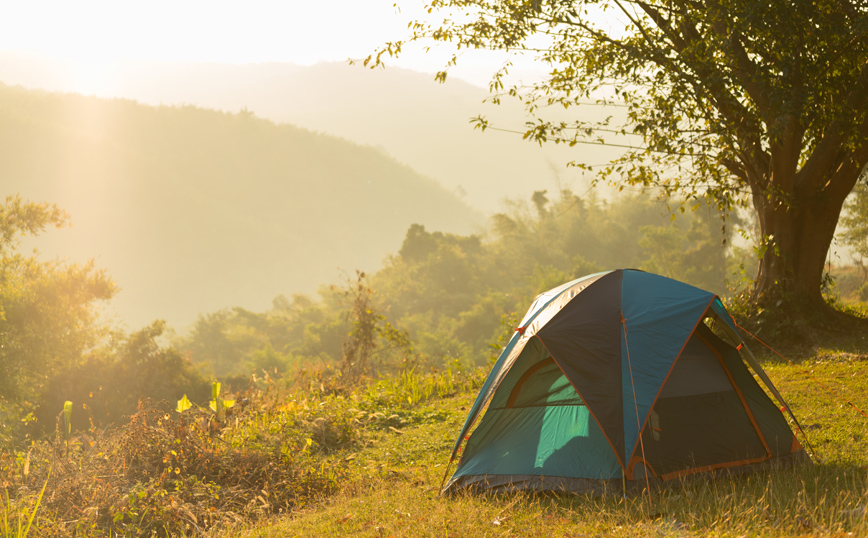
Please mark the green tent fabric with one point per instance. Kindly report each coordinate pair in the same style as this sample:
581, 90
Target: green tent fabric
615, 380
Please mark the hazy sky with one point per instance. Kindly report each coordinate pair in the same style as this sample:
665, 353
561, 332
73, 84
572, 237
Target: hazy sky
95, 35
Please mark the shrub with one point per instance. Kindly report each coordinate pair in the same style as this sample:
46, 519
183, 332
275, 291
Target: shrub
165, 473
107, 386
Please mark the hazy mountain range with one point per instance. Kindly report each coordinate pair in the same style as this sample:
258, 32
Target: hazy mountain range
403, 113
191, 210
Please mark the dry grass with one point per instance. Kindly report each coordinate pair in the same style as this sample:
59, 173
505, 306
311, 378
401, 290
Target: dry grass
277, 450
394, 484
369, 462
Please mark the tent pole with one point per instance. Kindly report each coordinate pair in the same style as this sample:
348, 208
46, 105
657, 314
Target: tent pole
623, 483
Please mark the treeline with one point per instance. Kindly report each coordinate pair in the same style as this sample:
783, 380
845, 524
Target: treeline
54, 346
453, 299
443, 301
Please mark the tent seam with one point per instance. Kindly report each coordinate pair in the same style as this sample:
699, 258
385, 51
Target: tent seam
590, 411
660, 390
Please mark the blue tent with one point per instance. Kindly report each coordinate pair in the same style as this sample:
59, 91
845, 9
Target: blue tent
615, 380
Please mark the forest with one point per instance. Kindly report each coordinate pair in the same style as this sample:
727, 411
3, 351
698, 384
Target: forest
442, 300
454, 296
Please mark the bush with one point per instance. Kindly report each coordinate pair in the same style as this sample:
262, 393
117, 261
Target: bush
166, 473
107, 386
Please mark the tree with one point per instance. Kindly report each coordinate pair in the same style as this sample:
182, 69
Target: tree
370, 333
758, 103
113, 379
693, 255
48, 314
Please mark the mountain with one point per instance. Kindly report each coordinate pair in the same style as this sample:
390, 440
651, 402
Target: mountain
191, 210
402, 112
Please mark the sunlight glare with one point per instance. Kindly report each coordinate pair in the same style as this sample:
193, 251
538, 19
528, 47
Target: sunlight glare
92, 76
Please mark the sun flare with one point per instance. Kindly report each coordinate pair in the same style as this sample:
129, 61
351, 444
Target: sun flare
92, 76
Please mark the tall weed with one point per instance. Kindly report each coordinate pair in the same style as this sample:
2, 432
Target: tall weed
20, 530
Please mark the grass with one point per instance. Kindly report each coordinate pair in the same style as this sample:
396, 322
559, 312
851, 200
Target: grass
278, 449
18, 528
393, 484
320, 460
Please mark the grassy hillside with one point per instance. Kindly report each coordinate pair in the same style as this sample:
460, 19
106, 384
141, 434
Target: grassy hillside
393, 485
192, 210
317, 459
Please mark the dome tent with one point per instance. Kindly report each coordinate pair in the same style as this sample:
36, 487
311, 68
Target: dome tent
612, 381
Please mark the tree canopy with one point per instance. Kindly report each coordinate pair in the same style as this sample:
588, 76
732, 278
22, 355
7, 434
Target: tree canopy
47, 308
456, 295
762, 104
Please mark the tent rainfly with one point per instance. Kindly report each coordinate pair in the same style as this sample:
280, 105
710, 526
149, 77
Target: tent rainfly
614, 381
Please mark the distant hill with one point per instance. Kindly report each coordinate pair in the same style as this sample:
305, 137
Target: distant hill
191, 210
404, 113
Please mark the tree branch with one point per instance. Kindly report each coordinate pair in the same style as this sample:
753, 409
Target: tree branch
814, 174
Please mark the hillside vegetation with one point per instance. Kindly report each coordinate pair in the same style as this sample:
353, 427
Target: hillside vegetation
446, 298
317, 459
191, 210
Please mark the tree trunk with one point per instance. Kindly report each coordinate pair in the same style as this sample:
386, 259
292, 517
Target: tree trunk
799, 235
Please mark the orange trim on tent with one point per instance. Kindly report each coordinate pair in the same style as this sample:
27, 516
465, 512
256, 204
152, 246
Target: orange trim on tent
510, 402
706, 468
740, 394
796, 446
665, 379
647, 465
590, 411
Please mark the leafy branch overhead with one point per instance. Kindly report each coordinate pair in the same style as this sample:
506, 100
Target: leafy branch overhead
754, 103
19, 218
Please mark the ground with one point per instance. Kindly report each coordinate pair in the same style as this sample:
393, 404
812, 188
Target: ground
395, 478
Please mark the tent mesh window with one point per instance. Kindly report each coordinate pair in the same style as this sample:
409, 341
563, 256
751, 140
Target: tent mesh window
700, 419
543, 384
537, 424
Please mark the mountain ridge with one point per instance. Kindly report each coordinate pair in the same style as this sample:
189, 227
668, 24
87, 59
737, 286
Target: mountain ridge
192, 210
404, 113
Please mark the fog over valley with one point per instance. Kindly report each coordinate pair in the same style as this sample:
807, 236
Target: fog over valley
403, 113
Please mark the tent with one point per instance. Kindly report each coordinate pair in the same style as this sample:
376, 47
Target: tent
620, 380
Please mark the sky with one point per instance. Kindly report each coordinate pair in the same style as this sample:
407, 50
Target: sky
94, 36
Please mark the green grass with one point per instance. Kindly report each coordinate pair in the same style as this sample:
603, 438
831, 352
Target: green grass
319, 460
393, 481
819, 391
17, 528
